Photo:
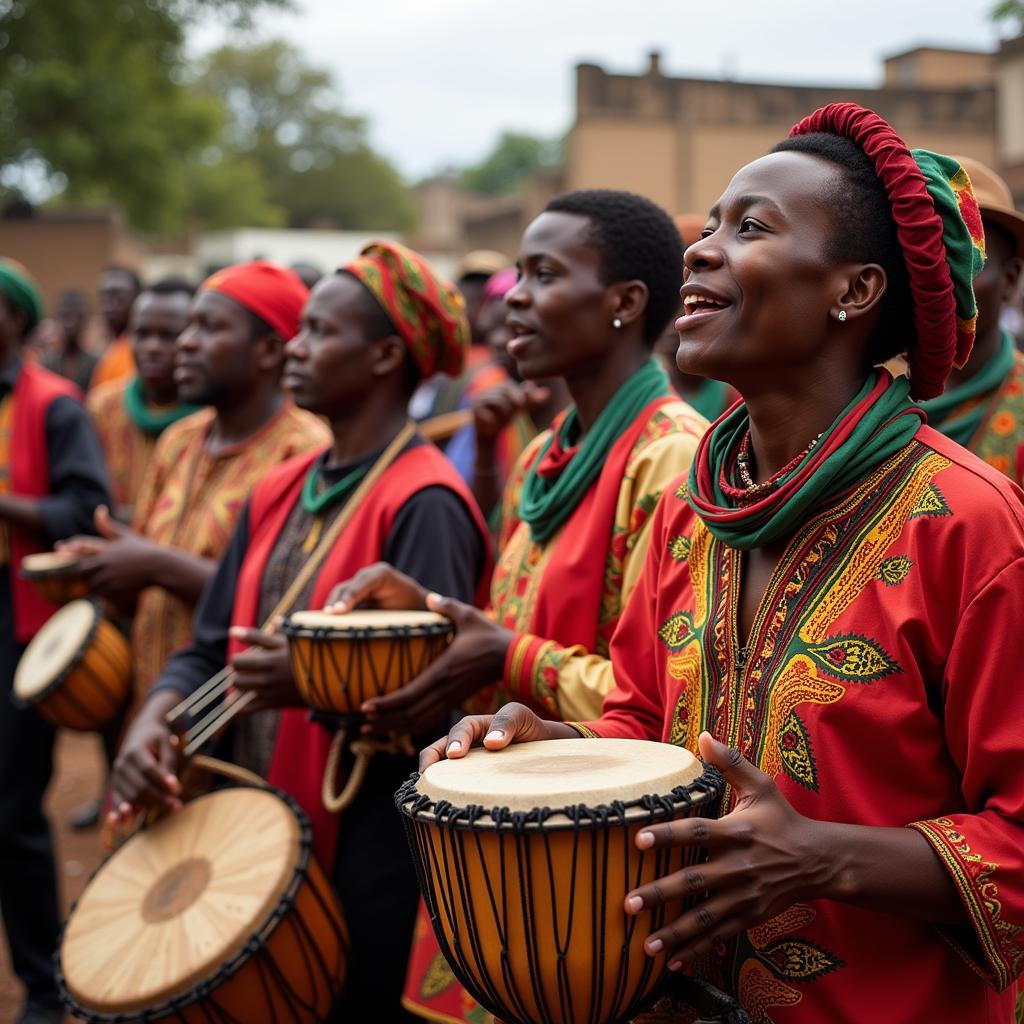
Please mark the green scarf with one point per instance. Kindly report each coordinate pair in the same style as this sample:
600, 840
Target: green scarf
545, 503
708, 399
315, 502
962, 428
873, 427
147, 419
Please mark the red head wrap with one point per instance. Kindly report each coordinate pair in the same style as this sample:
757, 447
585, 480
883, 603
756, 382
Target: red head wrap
275, 294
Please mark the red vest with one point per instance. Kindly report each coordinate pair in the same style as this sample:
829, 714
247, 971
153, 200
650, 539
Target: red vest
34, 392
300, 753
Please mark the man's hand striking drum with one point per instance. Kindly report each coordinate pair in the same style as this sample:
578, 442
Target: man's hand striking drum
474, 659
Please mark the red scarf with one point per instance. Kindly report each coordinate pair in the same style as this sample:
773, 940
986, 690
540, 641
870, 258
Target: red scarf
300, 752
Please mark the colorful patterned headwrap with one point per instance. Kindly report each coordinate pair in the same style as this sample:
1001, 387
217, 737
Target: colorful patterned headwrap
939, 229
22, 292
427, 311
274, 293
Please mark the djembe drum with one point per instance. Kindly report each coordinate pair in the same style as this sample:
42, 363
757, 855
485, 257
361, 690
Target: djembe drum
217, 914
77, 671
55, 576
339, 661
525, 857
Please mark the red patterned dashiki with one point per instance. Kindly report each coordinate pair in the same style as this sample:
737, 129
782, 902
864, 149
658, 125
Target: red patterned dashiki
881, 687
190, 500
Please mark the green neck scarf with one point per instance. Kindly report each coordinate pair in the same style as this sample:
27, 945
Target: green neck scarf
547, 501
315, 501
962, 428
876, 425
708, 399
150, 420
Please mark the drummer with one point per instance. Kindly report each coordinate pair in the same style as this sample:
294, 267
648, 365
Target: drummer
831, 607
369, 334
599, 275
229, 358
51, 480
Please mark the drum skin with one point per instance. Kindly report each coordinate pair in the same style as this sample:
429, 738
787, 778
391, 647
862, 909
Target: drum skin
337, 670
530, 914
54, 577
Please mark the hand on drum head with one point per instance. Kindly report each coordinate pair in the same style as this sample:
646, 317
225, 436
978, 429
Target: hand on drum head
377, 586
265, 670
514, 723
145, 770
762, 858
473, 660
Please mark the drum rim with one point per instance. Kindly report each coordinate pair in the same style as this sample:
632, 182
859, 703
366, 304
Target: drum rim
73, 663
418, 808
68, 569
292, 629
262, 933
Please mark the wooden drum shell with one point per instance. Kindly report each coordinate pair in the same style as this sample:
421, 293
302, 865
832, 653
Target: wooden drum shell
55, 579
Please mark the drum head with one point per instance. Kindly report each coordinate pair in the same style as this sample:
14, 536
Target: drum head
56, 648
49, 563
560, 773
179, 900
367, 621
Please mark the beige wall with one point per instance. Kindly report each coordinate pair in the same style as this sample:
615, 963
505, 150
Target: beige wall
941, 69
1010, 109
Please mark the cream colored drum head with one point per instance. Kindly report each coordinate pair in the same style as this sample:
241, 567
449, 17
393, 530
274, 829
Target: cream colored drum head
54, 649
179, 900
560, 773
371, 621
49, 563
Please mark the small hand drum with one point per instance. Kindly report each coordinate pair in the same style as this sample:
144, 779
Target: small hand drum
339, 661
217, 914
525, 857
77, 671
55, 576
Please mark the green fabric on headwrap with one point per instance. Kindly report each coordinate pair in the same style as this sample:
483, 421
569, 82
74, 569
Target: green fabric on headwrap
962, 232
22, 292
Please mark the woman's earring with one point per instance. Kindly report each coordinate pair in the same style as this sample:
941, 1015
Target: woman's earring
616, 323
842, 315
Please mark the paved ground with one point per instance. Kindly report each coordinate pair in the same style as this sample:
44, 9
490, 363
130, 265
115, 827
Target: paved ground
77, 778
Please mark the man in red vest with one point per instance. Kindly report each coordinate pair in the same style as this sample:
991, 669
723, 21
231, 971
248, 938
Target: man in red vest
52, 478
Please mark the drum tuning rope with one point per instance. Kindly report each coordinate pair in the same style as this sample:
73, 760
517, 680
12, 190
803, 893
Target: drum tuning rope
203, 730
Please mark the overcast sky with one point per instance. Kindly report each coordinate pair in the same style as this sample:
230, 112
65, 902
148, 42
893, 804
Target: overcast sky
440, 79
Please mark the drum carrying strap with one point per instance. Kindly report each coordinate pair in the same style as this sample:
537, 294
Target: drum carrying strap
363, 750
224, 711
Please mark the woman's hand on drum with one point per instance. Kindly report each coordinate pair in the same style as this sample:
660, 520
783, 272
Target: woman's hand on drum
474, 659
762, 858
145, 772
377, 586
264, 669
117, 563
514, 723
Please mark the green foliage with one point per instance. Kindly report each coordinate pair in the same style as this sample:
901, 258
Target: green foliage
514, 158
1009, 11
284, 116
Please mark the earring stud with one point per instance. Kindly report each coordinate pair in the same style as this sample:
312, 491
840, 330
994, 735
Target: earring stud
616, 323
842, 315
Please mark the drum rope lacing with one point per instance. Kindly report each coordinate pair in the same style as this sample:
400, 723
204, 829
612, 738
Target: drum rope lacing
459, 826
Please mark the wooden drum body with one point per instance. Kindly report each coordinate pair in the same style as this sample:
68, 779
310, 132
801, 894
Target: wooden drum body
77, 671
525, 857
218, 914
55, 576
339, 661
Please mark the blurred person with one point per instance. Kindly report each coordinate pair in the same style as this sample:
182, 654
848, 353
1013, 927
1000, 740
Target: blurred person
229, 358
51, 480
308, 273
982, 406
131, 413
68, 357
118, 288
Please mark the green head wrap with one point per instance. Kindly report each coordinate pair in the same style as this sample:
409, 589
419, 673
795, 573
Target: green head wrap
21, 291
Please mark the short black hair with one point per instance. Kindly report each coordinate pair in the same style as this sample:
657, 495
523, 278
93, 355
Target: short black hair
128, 272
171, 286
637, 240
865, 232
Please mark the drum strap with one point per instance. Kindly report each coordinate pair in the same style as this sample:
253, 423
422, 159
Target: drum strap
211, 724
363, 750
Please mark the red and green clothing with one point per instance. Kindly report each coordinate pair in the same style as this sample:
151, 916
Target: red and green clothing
878, 687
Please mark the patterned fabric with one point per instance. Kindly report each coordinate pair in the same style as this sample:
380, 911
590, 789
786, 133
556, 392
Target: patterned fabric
939, 228
563, 599
427, 311
116, 363
21, 291
191, 500
275, 294
874, 689
6, 420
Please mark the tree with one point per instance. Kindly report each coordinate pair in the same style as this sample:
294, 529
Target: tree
513, 159
284, 116
1011, 11
93, 108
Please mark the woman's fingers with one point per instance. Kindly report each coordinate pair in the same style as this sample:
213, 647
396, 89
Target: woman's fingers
698, 931
705, 832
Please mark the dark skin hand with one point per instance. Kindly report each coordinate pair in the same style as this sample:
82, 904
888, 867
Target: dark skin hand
265, 670
762, 856
474, 659
22, 513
